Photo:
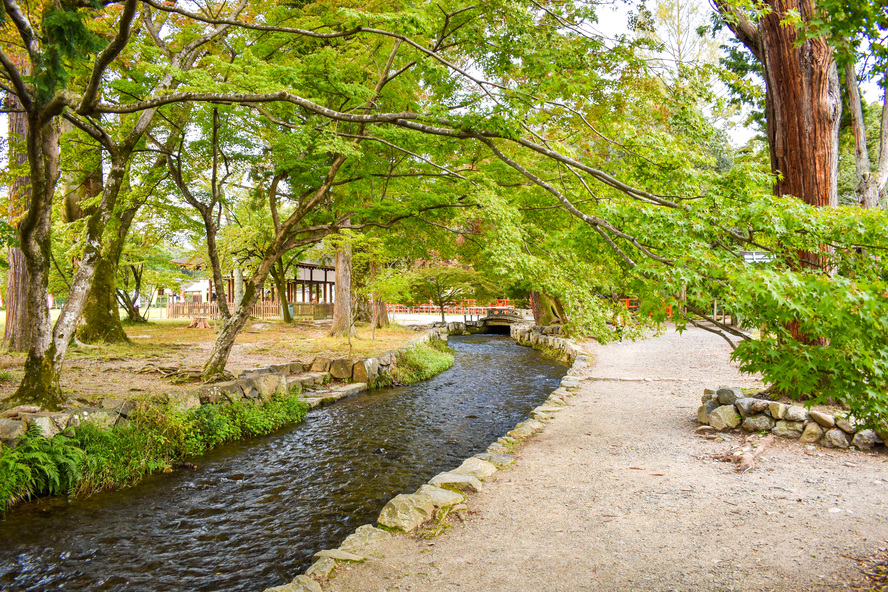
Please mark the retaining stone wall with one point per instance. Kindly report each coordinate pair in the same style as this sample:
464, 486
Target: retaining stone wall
727, 408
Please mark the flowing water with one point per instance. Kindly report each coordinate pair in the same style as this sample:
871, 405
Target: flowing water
255, 512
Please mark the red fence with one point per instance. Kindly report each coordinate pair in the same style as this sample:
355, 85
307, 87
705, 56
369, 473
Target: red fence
261, 310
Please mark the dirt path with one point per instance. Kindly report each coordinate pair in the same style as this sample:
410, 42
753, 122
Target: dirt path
618, 494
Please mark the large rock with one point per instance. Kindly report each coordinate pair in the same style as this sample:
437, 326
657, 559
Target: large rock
455, 481
119, 406
724, 417
342, 368
812, 433
844, 424
339, 555
796, 413
300, 584
758, 423
778, 410
865, 439
366, 370
729, 395
296, 367
476, 468
788, 429
499, 460
705, 410
441, 497
183, 401
525, 429
48, 426
836, 438
11, 429
321, 568
269, 385
221, 391
321, 365
363, 537
98, 417
407, 511
824, 419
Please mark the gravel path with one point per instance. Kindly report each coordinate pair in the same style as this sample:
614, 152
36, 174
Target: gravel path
619, 494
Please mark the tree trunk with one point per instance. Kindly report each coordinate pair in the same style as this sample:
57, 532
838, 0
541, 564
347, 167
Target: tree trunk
238, 286
342, 305
17, 334
214, 368
101, 314
803, 108
280, 284
379, 318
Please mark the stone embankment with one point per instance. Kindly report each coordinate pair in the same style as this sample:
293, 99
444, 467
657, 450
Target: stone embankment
313, 379
727, 408
449, 491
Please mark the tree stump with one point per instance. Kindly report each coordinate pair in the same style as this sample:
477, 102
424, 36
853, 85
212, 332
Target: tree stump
199, 323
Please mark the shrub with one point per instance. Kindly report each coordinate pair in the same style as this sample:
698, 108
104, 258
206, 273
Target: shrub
422, 362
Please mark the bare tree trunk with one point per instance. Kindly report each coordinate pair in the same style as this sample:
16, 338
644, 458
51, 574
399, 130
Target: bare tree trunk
238, 286
342, 305
17, 334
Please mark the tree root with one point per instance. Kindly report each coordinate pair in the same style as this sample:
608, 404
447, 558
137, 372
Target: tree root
745, 457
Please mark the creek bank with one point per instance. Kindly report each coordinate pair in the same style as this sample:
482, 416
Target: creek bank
260, 401
257, 385
449, 492
727, 408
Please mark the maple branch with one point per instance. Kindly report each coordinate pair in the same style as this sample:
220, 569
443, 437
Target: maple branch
108, 55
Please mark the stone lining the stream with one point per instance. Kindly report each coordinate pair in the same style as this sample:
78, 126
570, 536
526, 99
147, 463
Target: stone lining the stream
448, 491
727, 408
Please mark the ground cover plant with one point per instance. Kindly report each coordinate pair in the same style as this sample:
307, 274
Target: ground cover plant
421, 362
89, 459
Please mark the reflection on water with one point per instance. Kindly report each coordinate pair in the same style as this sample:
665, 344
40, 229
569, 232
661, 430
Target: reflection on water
255, 512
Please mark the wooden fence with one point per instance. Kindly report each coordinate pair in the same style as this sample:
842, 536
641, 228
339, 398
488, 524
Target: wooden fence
261, 310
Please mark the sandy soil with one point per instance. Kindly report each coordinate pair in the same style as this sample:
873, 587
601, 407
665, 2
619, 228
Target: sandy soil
619, 494
142, 366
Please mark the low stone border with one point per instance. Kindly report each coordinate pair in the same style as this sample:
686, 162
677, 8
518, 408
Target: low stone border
257, 384
449, 490
727, 408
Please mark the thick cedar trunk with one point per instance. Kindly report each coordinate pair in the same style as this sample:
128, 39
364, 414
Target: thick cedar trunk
803, 108
17, 334
342, 304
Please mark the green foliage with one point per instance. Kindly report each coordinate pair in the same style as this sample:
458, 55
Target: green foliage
66, 38
93, 459
422, 362
846, 323
39, 466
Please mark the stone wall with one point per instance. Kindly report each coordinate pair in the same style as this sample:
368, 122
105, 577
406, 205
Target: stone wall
257, 384
727, 408
547, 337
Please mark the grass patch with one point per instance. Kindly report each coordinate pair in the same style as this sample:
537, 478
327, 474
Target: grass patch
422, 362
90, 459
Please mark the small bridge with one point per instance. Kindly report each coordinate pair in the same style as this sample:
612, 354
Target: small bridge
499, 320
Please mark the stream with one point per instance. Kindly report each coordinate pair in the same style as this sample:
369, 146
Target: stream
255, 511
